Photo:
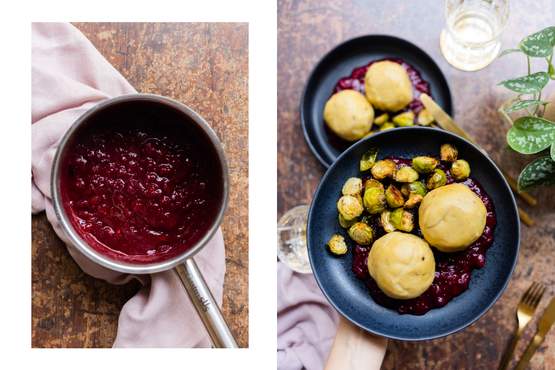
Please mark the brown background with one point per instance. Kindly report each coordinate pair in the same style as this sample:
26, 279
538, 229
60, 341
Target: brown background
306, 31
206, 67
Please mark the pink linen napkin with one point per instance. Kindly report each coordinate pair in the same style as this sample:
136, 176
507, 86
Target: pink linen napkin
307, 324
69, 76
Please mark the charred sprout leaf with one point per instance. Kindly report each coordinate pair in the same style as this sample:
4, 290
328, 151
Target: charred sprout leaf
406, 174
393, 197
374, 200
337, 245
541, 171
530, 135
349, 207
372, 183
361, 233
382, 169
425, 118
387, 126
345, 223
437, 179
381, 119
424, 164
448, 153
529, 84
413, 201
404, 119
353, 186
460, 170
368, 159
539, 44
402, 220
386, 222
509, 51
522, 104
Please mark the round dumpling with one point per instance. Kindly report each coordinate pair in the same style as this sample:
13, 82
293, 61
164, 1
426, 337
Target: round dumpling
349, 115
402, 265
388, 86
452, 217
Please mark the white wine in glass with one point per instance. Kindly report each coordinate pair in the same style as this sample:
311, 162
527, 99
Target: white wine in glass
471, 39
292, 249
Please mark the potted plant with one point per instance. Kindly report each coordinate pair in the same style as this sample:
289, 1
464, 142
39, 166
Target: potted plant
532, 132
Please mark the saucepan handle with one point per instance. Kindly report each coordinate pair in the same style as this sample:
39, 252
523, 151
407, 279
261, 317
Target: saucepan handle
205, 304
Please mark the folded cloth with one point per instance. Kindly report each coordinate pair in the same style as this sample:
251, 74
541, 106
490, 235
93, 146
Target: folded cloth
307, 325
306, 322
69, 76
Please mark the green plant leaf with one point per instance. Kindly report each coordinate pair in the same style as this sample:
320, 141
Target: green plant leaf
541, 171
521, 104
539, 44
553, 151
531, 135
509, 51
550, 69
527, 84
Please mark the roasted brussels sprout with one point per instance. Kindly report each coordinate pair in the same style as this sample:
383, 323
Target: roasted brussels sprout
424, 164
381, 119
372, 183
349, 207
368, 159
346, 223
353, 186
361, 233
402, 220
337, 245
374, 200
413, 201
448, 153
382, 169
436, 179
460, 170
406, 174
393, 197
404, 119
386, 222
416, 187
387, 126
424, 118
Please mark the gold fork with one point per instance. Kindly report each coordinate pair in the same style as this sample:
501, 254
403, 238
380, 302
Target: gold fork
524, 312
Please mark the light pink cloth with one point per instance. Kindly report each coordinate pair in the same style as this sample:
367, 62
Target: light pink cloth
306, 322
69, 76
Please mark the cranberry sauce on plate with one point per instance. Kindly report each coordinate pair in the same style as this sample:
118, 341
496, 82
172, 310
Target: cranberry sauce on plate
355, 81
141, 186
453, 270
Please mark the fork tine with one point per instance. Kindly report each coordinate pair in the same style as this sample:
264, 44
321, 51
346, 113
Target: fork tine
526, 298
538, 296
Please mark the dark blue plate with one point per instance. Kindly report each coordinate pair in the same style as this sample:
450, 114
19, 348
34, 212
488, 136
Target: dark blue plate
340, 62
350, 296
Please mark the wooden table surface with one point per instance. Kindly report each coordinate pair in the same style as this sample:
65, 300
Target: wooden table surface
206, 67
306, 31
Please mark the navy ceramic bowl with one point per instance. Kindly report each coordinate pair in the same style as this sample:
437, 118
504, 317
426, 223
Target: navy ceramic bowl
350, 296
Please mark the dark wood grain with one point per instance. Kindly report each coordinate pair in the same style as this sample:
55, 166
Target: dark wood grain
306, 31
204, 65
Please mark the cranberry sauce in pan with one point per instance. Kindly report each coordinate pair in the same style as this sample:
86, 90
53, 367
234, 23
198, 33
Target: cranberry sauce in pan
355, 81
453, 270
141, 188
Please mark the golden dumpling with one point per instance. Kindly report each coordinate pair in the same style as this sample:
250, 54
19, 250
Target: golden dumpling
452, 217
349, 115
388, 86
402, 265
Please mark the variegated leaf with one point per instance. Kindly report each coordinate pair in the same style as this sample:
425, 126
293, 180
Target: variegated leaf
527, 84
521, 104
539, 44
531, 135
541, 171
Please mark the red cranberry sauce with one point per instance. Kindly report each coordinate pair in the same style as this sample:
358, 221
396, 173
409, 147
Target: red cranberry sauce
141, 193
453, 270
356, 82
